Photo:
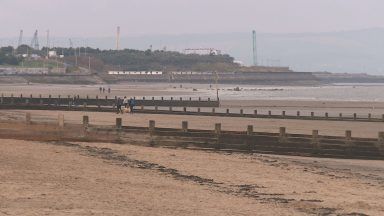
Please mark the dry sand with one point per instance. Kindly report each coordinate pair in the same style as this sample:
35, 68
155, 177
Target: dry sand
108, 179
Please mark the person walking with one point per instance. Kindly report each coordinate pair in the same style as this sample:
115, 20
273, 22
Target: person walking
132, 104
119, 103
125, 102
109, 90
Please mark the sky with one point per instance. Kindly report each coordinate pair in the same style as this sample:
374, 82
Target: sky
99, 18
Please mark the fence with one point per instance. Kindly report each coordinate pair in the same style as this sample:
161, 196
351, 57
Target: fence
104, 101
174, 107
250, 141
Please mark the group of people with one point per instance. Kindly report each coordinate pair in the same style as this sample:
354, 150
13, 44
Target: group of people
102, 90
129, 105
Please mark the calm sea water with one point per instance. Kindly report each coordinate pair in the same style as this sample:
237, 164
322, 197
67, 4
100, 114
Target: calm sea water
335, 92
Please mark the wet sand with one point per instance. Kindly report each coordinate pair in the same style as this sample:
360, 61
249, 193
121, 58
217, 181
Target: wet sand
167, 91
109, 179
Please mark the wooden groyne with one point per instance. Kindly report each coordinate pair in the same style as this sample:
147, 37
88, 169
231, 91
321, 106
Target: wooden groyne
248, 141
170, 107
105, 101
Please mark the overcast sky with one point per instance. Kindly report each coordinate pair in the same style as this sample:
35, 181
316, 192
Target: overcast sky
94, 18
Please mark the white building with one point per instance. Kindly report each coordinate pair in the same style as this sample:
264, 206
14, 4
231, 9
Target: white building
203, 51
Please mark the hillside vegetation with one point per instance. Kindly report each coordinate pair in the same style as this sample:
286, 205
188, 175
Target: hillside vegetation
129, 59
137, 60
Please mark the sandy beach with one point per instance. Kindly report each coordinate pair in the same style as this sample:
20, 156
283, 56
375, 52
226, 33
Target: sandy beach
71, 178
108, 179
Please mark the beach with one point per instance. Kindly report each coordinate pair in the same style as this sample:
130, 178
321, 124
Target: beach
109, 179
87, 178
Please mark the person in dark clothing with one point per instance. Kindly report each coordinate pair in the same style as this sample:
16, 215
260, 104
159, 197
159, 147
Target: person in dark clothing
132, 104
103, 89
119, 103
100, 89
109, 90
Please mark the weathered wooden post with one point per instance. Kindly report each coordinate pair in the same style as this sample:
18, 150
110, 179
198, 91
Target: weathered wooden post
69, 101
282, 134
217, 134
348, 135
119, 123
315, 140
382, 117
143, 98
369, 116
209, 99
283, 114
241, 112
190, 99
181, 99
326, 115
213, 110
152, 124
28, 118
198, 110
354, 116
41, 100
185, 109
312, 114
162, 98
381, 142
218, 128
340, 116
348, 141
184, 126
85, 121
21, 95
171, 98
151, 129
227, 111
250, 130
255, 112
298, 114
142, 107
153, 98
61, 120
199, 98
249, 140
269, 113
12, 99
98, 103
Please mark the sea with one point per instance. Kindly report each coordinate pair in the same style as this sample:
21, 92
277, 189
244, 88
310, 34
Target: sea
332, 92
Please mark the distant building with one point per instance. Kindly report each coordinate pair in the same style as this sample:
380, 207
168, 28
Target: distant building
203, 51
135, 72
52, 54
